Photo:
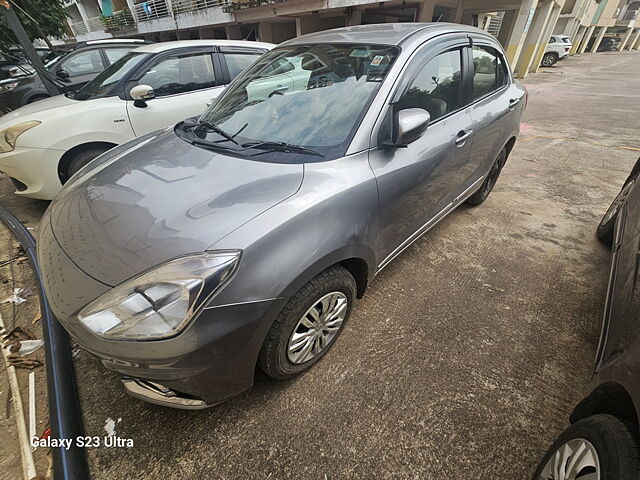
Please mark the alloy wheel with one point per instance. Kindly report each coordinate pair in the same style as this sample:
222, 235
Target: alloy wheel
575, 460
317, 327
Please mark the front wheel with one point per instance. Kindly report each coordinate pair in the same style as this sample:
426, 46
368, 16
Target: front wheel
601, 447
309, 324
81, 159
607, 224
549, 59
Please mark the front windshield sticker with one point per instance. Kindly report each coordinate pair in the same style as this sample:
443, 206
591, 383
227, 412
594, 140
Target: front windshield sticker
359, 53
377, 60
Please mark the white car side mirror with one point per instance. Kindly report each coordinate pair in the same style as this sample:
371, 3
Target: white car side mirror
140, 94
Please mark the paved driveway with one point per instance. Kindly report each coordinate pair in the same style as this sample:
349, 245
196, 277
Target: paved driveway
468, 352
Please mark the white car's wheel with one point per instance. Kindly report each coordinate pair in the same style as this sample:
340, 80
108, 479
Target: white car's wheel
549, 59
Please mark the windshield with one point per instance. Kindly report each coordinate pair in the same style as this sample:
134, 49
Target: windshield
310, 96
104, 84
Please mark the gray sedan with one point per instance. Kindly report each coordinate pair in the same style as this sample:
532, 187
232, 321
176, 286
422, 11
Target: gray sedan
189, 256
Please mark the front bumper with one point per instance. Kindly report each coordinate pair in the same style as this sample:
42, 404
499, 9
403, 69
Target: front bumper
35, 169
211, 361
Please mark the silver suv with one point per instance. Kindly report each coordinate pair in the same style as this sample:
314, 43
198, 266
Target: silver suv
188, 256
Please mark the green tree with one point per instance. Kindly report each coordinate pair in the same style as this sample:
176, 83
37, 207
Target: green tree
40, 19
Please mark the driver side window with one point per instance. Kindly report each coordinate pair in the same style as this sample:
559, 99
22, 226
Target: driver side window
180, 74
437, 88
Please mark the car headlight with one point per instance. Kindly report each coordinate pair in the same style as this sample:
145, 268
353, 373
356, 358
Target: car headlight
8, 136
8, 86
161, 302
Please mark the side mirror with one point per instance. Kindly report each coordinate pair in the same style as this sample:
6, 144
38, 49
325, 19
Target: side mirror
63, 74
411, 123
140, 94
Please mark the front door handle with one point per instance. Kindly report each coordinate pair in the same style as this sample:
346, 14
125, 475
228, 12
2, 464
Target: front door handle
462, 137
513, 102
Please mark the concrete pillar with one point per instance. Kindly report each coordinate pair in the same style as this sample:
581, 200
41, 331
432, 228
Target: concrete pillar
265, 32
586, 38
542, 48
506, 29
636, 45
459, 13
577, 40
519, 32
355, 18
83, 14
234, 32
305, 24
425, 12
534, 37
625, 39
599, 38
632, 43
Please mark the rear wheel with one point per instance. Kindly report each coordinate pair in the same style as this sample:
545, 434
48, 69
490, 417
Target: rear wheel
489, 182
309, 324
549, 59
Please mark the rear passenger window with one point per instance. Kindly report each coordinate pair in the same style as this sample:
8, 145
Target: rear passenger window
489, 71
437, 87
84, 63
237, 62
115, 54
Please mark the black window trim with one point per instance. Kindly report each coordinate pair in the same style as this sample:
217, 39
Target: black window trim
477, 42
446, 44
155, 59
223, 61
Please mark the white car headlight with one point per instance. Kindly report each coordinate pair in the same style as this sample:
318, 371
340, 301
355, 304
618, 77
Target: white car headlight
161, 302
8, 136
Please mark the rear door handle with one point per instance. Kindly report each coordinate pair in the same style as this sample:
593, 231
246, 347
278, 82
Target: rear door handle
462, 137
513, 102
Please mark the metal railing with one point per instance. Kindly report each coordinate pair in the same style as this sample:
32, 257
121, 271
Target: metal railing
152, 10
120, 20
183, 6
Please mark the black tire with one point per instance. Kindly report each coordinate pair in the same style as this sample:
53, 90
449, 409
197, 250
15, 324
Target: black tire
273, 359
614, 441
489, 182
37, 98
549, 59
608, 221
81, 158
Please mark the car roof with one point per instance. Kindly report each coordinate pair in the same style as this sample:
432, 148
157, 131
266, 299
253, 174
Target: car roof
161, 47
384, 33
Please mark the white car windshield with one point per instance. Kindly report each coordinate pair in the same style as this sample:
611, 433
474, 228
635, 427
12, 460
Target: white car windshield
309, 96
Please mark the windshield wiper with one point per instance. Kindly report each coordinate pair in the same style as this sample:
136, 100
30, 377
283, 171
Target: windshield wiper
214, 128
281, 147
208, 143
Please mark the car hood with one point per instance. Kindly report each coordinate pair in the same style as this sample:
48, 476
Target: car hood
34, 111
161, 199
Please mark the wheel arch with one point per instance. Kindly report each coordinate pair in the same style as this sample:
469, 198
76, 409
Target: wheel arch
68, 156
609, 398
358, 261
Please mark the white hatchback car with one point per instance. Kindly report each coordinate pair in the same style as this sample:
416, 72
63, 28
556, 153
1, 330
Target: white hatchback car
155, 86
